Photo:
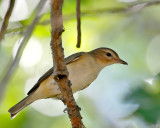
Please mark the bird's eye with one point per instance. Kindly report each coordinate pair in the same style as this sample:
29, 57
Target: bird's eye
108, 54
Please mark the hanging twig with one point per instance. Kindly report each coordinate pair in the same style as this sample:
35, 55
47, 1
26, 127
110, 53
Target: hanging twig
6, 19
23, 43
78, 14
60, 73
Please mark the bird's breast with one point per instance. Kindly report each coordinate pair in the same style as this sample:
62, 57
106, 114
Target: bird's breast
82, 73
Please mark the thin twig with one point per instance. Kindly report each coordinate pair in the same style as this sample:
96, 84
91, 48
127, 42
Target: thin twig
20, 50
6, 19
78, 14
15, 29
60, 73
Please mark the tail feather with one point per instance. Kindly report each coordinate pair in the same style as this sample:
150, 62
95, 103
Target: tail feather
18, 107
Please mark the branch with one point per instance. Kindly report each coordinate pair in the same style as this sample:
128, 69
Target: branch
60, 73
6, 19
23, 43
78, 11
16, 29
130, 8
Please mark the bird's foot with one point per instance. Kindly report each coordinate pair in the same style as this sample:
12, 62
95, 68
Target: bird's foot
65, 110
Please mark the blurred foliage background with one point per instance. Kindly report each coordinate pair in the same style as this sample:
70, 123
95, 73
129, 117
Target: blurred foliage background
121, 97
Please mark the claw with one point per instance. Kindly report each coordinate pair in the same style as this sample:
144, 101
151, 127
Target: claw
65, 110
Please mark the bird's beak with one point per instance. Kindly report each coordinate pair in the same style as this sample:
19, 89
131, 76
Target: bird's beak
122, 62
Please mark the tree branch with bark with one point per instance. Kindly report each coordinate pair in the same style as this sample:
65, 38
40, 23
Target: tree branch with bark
129, 8
60, 73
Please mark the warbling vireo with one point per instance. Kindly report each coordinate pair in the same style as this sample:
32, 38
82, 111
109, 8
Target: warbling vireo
83, 68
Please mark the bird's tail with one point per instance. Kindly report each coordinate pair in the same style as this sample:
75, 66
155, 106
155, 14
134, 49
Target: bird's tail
19, 106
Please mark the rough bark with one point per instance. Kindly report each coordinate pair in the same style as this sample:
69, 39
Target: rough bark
60, 73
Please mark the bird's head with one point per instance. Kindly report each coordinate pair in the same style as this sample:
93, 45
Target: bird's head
106, 56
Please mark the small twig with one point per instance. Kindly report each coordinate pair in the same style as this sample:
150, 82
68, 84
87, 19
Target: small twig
15, 29
78, 14
6, 19
129, 8
23, 43
60, 73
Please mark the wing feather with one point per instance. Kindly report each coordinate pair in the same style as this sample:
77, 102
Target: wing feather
68, 60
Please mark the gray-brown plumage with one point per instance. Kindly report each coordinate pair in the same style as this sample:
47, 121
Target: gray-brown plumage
83, 69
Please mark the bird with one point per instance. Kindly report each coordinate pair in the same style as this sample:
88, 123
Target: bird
83, 68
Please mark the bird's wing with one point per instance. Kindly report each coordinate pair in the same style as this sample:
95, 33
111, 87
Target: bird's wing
68, 60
